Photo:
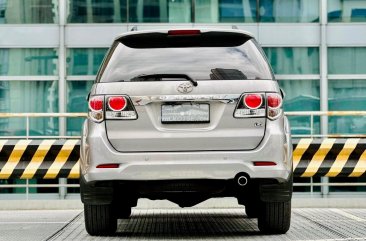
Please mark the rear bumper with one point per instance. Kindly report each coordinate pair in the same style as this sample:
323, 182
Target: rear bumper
108, 192
96, 149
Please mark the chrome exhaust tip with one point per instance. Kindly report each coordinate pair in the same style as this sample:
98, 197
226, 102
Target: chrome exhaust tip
242, 181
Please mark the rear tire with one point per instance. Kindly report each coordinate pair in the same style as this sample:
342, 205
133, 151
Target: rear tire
100, 219
275, 217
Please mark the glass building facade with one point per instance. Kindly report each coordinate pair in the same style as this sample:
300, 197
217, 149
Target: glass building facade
50, 51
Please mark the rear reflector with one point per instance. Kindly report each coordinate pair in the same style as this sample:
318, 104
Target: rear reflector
108, 166
184, 32
264, 164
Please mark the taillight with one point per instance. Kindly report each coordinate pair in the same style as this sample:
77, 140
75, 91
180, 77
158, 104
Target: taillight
96, 104
120, 108
117, 103
251, 105
253, 101
254, 105
274, 102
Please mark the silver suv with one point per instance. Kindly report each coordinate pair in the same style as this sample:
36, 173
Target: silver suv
185, 115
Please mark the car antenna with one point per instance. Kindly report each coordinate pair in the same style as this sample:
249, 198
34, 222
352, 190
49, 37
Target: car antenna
234, 27
134, 28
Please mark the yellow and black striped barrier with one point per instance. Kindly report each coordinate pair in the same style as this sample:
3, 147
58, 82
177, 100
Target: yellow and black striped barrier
50, 159
330, 157
45, 159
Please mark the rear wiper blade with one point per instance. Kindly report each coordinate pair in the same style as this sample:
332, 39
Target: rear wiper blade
159, 76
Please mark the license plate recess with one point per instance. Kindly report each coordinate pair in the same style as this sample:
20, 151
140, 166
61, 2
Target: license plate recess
185, 113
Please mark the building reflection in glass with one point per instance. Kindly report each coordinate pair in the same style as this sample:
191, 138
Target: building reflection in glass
28, 11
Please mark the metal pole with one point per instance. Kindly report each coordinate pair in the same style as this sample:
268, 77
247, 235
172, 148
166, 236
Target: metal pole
257, 17
27, 127
311, 125
193, 12
27, 189
62, 80
128, 13
311, 186
324, 79
62, 190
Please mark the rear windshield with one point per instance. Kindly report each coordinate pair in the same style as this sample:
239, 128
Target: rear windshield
242, 62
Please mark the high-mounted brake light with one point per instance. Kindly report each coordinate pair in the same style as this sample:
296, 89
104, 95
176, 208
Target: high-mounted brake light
253, 101
96, 104
117, 103
184, 32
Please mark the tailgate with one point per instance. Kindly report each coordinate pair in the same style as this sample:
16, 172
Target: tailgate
198, 121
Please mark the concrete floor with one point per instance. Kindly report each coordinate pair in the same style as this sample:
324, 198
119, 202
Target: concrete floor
325, 224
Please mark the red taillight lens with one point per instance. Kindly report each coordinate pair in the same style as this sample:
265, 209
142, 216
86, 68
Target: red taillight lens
120, 108
253, 101
117, 103
274, 100
254, 105
108, 166
96, 106
264, 163
251, 105
96, 103
184, 32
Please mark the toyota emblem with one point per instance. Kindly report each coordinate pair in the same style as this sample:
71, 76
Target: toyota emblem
185, 88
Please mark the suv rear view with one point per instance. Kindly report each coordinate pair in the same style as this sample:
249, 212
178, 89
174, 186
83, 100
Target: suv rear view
185, 115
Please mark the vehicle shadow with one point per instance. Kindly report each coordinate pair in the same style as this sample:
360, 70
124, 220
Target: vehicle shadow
187, 225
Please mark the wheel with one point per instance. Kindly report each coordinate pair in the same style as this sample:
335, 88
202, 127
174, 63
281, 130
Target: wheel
100, 219
251, 210
274, 217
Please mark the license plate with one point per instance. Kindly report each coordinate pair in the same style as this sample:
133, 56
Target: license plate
185, 113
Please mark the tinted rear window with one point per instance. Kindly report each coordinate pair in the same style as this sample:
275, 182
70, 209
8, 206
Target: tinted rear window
164, 40
235, 59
